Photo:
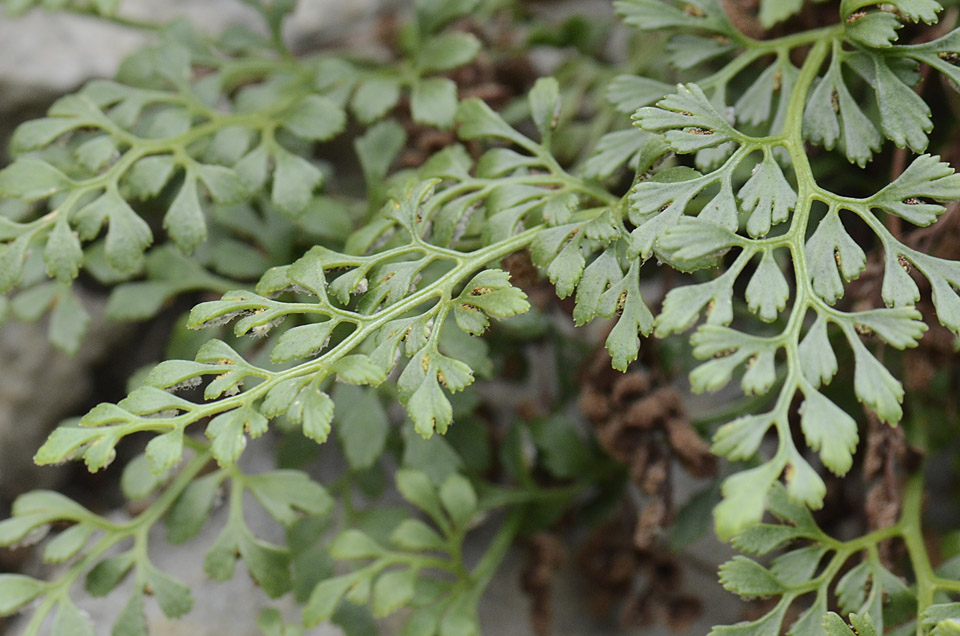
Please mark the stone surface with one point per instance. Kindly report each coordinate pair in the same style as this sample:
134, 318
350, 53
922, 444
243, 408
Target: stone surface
40, 387
43, 55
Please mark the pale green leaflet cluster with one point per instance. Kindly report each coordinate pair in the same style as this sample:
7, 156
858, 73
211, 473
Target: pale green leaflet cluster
403, 300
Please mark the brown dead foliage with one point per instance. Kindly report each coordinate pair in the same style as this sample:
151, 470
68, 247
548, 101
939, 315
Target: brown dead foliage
640, 422
545, 554
646, 584
887, 462
525, 275
677, 613
501, 73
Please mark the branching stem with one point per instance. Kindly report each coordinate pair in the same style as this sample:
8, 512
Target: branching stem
136, 529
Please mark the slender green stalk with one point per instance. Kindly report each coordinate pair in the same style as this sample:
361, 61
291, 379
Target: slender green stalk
484, 571
136, 529
911, 531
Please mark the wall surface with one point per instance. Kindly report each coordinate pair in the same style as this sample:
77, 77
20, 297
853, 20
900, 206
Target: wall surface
43, 55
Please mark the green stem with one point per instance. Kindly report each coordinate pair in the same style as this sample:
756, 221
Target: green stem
468, 265
912, 534
804, 38
494, 498
115, 534
795, 240
948, 585
483, 573
130, 23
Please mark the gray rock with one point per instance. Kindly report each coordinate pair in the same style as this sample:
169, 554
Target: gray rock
40, 387
43, 55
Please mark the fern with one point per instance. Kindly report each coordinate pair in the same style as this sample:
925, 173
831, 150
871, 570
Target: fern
201, 143
219, 137
875, 598
820, 263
